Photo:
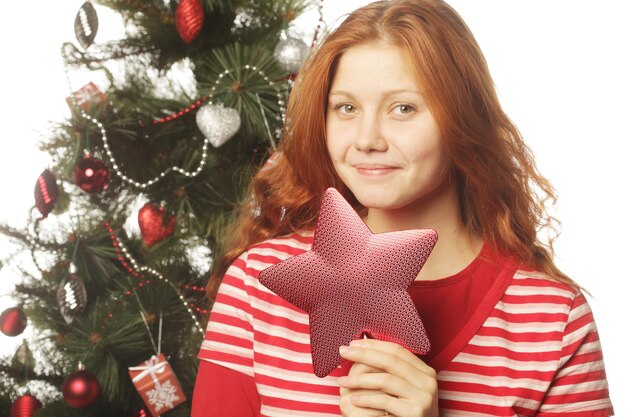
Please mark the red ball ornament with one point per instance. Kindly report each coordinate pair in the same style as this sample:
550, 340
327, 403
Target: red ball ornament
25, 406
12, 321
46, 192
81, 389
189, 19
155, 224
91, 175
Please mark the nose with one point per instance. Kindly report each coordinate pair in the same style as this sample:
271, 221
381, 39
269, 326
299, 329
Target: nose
370, 134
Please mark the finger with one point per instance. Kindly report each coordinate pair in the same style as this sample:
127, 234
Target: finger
393, 363
385, 382
380, 402
358, 368
348, 408
394, 349
424, 405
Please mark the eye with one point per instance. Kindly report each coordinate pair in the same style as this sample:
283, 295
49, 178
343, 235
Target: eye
346, 108
403, 109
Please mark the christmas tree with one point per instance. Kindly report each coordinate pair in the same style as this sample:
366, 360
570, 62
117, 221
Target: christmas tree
190, 103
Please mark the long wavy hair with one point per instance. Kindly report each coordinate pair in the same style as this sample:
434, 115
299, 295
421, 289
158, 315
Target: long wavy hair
503, 197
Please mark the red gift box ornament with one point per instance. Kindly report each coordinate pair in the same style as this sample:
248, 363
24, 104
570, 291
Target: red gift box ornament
354, 283
157, 385
86, 97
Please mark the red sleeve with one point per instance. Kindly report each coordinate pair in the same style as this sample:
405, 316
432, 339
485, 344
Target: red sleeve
224, 392
580, 388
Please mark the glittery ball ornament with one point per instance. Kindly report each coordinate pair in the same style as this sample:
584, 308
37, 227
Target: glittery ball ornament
218, 123
13, 321
291, 52
46, 192
81, 389
71, 297
86, 24
155, 224
25, 406
91, 175
354, 283
189, 19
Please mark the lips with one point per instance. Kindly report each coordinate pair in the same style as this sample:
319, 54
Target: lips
375, 169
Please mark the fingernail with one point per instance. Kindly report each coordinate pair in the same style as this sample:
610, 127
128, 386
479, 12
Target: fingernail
342, 380
357, 342
344, 350
355, 398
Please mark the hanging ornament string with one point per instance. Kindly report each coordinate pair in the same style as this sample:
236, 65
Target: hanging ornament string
139, 269
35, 244
320, 6
265, 122
159, 177
157, 346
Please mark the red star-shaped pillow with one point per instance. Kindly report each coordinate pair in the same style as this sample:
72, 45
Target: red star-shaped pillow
353, 282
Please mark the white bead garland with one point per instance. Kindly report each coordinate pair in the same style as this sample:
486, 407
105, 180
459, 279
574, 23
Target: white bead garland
162, 278
188, 174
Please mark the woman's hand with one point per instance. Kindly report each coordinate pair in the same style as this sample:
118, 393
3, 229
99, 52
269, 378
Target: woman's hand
387, 378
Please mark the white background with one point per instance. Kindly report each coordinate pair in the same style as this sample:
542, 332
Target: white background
559, 68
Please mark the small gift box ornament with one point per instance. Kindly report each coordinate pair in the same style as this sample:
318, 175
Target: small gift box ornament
86, 97
157, 385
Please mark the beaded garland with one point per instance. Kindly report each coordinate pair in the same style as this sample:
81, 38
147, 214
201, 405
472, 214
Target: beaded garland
202, 163
135, 269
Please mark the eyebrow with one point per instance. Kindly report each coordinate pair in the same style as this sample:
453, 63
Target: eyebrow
385, 93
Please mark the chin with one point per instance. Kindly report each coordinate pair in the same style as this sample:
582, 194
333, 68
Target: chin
379, 202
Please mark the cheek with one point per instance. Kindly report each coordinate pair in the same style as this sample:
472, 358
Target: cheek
424, 147
336, 144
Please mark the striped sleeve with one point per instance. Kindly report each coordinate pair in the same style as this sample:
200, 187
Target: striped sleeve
580, 386
229, 340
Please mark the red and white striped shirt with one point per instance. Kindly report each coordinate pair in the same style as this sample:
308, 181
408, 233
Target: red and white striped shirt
530, 348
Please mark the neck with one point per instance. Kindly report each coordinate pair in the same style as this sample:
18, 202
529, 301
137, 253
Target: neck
456, 246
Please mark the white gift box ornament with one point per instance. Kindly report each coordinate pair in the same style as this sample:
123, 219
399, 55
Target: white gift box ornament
218, 123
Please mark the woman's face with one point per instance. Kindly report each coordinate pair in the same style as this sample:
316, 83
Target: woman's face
380, 133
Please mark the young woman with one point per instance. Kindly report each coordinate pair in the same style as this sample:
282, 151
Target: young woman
397, 110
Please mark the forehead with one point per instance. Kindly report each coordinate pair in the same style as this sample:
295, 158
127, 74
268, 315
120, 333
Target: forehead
372, 64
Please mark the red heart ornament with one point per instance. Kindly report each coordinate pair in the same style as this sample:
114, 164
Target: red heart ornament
155, 223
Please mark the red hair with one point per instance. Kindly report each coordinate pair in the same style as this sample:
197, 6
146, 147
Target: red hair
503, 197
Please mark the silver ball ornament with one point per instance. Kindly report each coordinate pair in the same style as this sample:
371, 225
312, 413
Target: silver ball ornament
291, 52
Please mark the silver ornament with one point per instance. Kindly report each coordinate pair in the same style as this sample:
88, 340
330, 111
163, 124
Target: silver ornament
24, 356
199, 255
291, 52
218, 123
72, 296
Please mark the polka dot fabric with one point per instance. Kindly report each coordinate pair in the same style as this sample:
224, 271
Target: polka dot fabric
353, 282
